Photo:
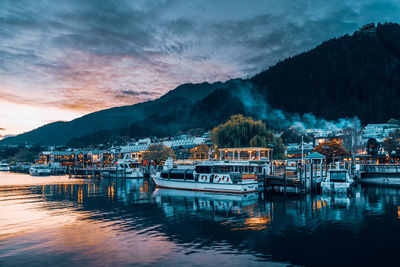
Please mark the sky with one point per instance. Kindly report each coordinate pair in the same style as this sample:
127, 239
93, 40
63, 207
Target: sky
62, 59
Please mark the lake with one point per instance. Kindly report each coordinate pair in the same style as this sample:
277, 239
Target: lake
72, 222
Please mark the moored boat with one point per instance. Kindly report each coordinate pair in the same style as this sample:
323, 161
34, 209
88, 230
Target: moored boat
227, 177
126, 168
337, 181
40, 170
5, 167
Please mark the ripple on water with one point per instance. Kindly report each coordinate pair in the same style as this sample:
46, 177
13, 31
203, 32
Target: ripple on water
59, 221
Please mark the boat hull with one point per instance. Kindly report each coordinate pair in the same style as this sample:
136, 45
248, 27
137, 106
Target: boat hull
336, 187
127, 175
34, 173
380, 180
206, 187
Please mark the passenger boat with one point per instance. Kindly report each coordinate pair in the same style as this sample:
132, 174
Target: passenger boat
226, 177
40, 170
5, 167
337, 181
126, 168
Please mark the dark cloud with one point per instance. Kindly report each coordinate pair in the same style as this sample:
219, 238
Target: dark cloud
139, 93
2, 129
77, 51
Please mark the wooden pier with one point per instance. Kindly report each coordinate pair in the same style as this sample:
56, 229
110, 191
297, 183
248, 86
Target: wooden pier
306, 178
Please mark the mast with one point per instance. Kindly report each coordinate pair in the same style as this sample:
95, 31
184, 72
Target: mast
302, 150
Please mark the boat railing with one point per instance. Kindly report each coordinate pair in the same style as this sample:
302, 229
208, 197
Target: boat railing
381, 168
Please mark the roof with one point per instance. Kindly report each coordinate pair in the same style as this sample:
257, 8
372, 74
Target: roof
245, 149
315, 155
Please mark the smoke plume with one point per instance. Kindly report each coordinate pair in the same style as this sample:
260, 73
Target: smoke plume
256, 105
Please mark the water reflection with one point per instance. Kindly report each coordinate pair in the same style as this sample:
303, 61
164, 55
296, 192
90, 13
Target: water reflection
114, 222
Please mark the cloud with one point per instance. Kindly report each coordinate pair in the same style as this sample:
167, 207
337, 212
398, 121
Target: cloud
89, 55
2, 129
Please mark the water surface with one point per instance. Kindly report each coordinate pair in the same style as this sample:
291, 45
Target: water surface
62, 222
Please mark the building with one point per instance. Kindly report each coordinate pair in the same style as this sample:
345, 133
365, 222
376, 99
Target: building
77, 157
295, 151
378, 131
182, 146
245, 153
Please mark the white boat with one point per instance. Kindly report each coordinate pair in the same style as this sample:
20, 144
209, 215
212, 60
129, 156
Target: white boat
337, 181
126, 168
5, 167
227, 177
40, 170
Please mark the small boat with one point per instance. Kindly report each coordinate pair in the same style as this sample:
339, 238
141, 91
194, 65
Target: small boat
5, 167
21, 167
215, 176
126, 168
57, 169
337, 181
40, 170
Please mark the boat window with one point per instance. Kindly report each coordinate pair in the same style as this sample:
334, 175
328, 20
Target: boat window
180, 174
164, 174
225, 169
338, 176
203, 169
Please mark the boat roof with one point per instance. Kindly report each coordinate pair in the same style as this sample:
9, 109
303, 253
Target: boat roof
337, 170
315, 155
230, 163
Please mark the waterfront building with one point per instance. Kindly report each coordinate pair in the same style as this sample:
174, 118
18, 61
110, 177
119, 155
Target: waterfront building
295, 151
76, 157
245, 153
182, 146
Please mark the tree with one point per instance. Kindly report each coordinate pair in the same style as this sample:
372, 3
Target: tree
372, 146
393, 121
258, 141
392, 143
158, 153
241, 131
200, 152
389, 145
331, 150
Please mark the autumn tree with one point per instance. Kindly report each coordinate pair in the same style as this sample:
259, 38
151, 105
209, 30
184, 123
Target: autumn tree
158, 153
392, 143
241, 131
200, 152
331, 150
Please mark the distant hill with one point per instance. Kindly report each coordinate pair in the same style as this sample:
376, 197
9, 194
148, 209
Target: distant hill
116, 118
353, 75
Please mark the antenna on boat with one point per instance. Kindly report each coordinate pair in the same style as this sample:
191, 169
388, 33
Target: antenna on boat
302, 150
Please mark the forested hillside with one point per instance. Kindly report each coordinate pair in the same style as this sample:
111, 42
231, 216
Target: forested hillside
357, 75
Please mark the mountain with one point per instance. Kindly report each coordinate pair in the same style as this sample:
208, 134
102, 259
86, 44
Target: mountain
353, 75
357, 75
114, 118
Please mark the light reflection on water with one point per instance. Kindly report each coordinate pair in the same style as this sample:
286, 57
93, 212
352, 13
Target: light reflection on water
61, 221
